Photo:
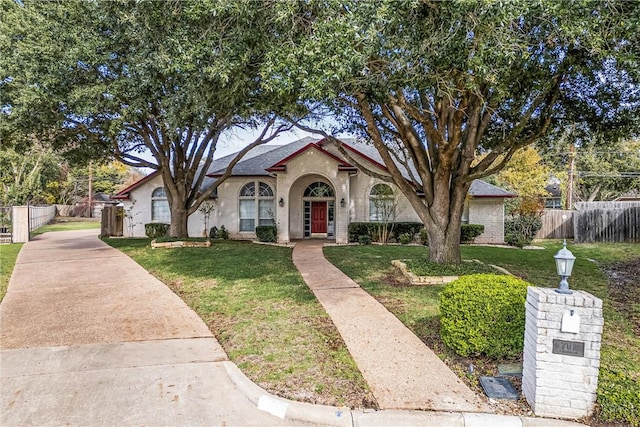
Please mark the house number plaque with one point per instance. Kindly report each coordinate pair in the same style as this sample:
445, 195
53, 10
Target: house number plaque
568, 348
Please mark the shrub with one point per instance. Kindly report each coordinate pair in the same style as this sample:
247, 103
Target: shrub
468, 232
619, 397
521, 229
371, 229
484, 314
424, 237
153, 230
267, 233
223, 233
406, 238
364, 239
213, 232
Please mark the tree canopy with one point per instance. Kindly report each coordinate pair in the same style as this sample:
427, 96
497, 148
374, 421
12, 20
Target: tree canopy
434, 84
122, 78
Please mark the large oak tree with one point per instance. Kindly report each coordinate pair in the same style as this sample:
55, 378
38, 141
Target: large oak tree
434, 84
123, 78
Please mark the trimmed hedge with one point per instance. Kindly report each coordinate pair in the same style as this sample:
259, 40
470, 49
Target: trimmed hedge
357, 229
267, 233
154, 230
484, 314
468, 232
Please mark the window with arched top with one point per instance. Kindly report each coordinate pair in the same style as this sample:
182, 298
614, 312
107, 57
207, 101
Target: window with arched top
318, 189
256, 207
382, 206
160, 206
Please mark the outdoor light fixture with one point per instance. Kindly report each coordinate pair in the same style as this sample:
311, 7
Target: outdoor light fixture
342, 203
564, 265
281, 202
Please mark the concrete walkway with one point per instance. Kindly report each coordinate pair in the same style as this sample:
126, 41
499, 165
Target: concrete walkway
401, 370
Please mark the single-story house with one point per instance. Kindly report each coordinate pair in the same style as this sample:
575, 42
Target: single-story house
308, 189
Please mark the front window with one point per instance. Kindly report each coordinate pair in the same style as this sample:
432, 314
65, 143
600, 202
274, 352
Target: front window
263, 199
382, 205
160, 206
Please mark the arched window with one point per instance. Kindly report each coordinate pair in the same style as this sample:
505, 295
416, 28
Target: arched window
250, 199
160, 206
318, 189
382, 206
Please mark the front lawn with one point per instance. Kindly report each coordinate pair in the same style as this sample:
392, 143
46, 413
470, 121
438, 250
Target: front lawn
268, 321
417, 307
67, 224
8, 255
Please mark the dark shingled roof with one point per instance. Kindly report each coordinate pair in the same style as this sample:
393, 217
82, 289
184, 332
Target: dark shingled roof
256, 161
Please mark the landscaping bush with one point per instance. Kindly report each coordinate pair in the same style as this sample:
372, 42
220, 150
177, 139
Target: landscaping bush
521, 229
469, 232
357, 229
267, 233
223, 233
619, 397
364, 239
424, 237
484, 314
153, 230
406, 238
213, 232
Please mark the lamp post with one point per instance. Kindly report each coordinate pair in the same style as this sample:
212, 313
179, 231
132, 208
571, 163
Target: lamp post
564, 265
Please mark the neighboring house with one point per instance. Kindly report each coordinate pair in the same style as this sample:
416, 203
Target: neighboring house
309, 190
554, 199
98, 202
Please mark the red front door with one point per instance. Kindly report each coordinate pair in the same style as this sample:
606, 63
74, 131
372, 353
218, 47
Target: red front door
318, 217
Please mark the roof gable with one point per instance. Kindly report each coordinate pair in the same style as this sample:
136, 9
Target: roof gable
281, 165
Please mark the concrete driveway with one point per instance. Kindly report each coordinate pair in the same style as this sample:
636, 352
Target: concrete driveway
88, 337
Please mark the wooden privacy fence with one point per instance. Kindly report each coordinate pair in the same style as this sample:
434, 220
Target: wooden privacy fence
556, 224
607, 222
112, 221
592, 222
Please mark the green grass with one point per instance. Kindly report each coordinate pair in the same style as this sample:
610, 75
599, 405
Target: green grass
424, 267
266, 318
67, 224
8, 255
417, 307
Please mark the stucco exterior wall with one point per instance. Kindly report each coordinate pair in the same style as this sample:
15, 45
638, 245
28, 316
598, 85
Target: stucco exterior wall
308, 167
140, 204
490, 213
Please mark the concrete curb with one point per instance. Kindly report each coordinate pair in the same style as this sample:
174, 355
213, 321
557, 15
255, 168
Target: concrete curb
345, 417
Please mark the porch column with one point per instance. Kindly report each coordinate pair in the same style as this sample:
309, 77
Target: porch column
342, 213
282, 212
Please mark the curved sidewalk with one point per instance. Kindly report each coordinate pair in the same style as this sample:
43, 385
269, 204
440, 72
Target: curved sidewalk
401, 370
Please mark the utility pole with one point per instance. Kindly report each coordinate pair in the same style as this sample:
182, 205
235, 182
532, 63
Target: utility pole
90, 191
572, 156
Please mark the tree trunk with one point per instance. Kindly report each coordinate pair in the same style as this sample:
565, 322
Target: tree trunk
444, 245
179, 220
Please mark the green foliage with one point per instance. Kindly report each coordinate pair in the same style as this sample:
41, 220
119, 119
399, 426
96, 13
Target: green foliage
213, 232
223, 233
267, 233
424, 237
424, 267
469, 232
484, 314
405, 238
364, 239
520, 230
154, 230
371, 229
618, 397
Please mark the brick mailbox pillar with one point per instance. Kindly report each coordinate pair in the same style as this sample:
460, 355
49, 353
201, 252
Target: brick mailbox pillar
561, 352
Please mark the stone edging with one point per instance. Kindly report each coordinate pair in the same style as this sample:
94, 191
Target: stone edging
434, 280
180, 244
